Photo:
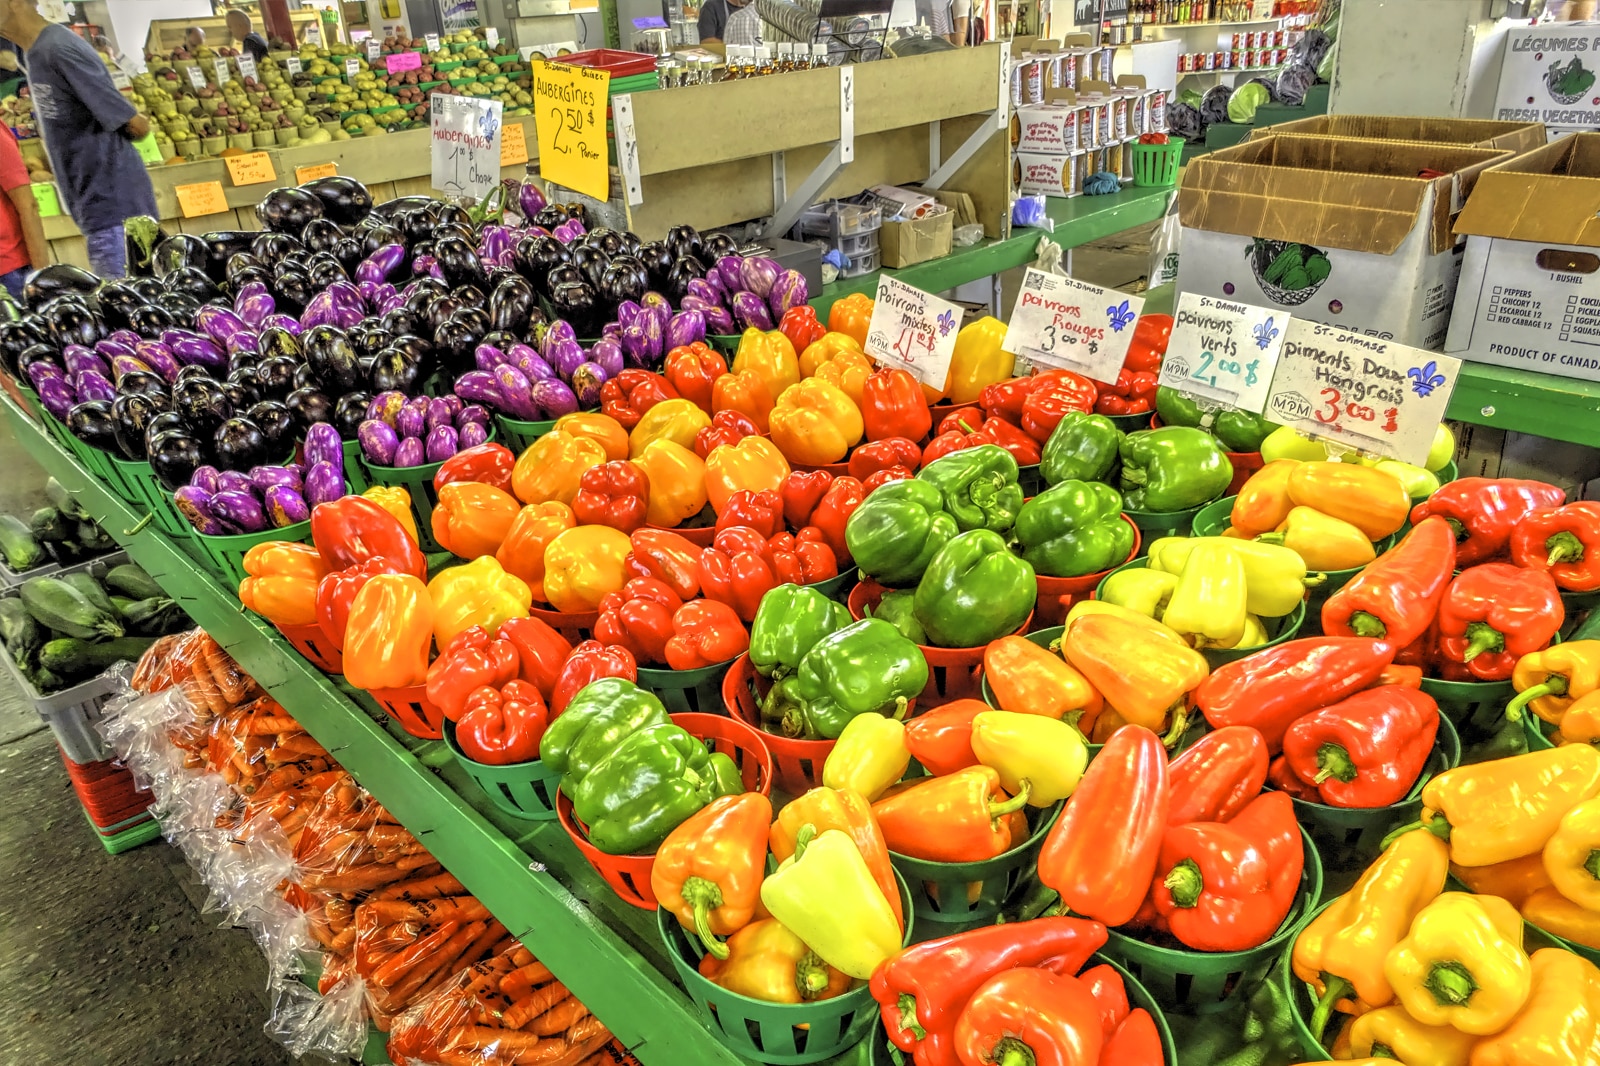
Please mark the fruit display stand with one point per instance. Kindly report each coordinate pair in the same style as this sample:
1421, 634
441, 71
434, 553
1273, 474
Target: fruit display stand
166, 34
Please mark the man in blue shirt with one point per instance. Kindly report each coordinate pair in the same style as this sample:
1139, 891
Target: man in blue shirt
88, 127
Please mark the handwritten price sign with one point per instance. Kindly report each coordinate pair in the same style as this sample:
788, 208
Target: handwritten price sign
569, 118
913, 330
1072, 325
1223, 352
1365, 393
466, 145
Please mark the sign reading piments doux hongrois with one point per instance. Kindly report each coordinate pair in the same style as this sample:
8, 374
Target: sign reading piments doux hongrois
1072, 325
913, 330
1223, 352
1373, 395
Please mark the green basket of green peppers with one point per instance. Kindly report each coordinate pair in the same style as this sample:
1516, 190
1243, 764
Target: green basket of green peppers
1169, 475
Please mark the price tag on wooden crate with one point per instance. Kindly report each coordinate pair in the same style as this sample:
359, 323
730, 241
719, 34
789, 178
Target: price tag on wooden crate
402, 61
223, 75
247, 67
44, 194
201, 198
352, 67
292, 64
913, 330
1223, 352
433, 41
513, 145
251, 168
466, 145
569, 117
197, 79
374, 49
311, 173
1373, 395
491, 36
1072, 325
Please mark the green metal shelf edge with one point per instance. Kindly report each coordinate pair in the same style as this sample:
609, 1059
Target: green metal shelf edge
642, 1006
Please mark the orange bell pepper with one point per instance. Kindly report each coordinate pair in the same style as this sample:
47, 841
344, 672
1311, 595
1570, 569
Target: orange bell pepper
754, 463
552, 466
1263, 502
522, 551
745, 392
676, 420
708, 872
1102, 646
604, 429
1369, 499
820, 351
389, 633
771, 356
668, 558
851, 316
472, 519
1034, 680
397, 501
693, 369
282, 582
582, 565
677, 483
850, 813
814, 423
849, 370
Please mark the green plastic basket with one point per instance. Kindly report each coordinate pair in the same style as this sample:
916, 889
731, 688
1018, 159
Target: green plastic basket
1297, 994
767, 1032
1155, 166
1279, 630
518, 435
152, 495
30, 401
354, 472
1133, 422
128, 839
418, 482
522, 790
1031, 480
1153, 525
89, 457
942, 892
838, 587
1204, 982
1534, 728
1476, 708
687, 690
224, 556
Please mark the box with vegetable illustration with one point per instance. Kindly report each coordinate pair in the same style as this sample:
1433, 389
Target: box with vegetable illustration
1530, 280
1521, 136
1549, 75
1332, 230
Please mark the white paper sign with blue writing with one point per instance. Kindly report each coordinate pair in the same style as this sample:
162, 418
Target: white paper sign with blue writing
1072, 325
466, 145
1373, 395
913, 330
1223, 352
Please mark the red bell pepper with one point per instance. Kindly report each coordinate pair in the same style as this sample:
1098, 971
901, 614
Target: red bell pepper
1228, 886
1563, 540
801, 326
1120, 804
638, 617
883, 477
1003, 399
1495, 613
615, 494
541, 651
800, 560
941, 739
1030, 1016
835, 509
893, 405
352, 529
1150, 337
734, 571
589, 662
470, 661
954, 440
1482, 512
761, 511
883, 454
1368, 749
337, 591
705, 633
631, 393
1218, 777
666, 556
489, 464
1397, 594
967, 421
501, 726
1268, 690
921, 991
1285, 780
1110, 995
1023, 448
1056, 393
727, 427
1136, 1042
1134, 393
692, 369
802, 491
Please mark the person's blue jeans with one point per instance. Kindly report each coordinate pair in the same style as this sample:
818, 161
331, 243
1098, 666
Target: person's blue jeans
13, 282
108, 251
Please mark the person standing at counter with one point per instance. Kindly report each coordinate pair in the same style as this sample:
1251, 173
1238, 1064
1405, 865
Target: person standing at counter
23, 248
728, 22
242, 30
87, 127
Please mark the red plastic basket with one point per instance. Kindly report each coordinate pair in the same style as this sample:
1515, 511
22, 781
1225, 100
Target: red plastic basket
629, 875
85, 773
312, 643
953, 673
836, 469
1058, 594
619, 63
412, 709
577, 626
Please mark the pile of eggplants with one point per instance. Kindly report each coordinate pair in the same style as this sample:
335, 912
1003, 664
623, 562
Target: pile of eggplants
402, 431
221, 503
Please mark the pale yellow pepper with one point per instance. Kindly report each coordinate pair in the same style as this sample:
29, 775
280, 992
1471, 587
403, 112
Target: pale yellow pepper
869, 756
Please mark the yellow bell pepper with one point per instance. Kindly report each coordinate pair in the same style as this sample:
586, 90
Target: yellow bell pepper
869, 756
1141, 589
397, 501
389, 633
1496, 811
1393, 1035
1255, 634
472, 519
1513, 881
1285, 443
675, 420
825, 348
1572, 855
1275, 577
825, 893
1559, 916
852, 316
1552, 680
550, 468
479, 593
1418, 482
282, 582
849, 371
771, 356
522, 551
814, 423
978, 360
1462, 964
745, 392
755, 463
1208, 604
582, 565
1088, 607
603, 429
1323, 541
677, 483
1560, 1025
1047, 753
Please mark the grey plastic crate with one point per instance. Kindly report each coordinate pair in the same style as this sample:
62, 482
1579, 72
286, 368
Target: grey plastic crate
10, 579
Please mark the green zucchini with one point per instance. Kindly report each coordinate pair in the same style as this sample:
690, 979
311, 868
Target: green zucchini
132, 582
64, 501
122, 603
93, 538
92, 591
147, 616
18, 545
57, 605
18, 631
48, 523
72, 659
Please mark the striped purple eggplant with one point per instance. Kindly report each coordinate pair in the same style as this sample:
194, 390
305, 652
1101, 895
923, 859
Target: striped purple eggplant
471, 434
586, 382
730, 271
750, 311
789, 290
240, 510
76, 358
267, 477
205, 477
194, 503
410, 453
487, 357
441, 444
381, 264
158, 357
324, 483
323, 445
218, 323
554, 398
479, 386
607, 352
440, 413
514, 389
284, 322
385, 406
412, 418
470, 413
685, 327
758, 273
192, 349
379, 442
285, 506
93, 385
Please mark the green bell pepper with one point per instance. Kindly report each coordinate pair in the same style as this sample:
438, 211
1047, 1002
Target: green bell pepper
979, 486
790, 619
644, 789
1083, 447
1241, 431
726, 780
1176, 409
1172, 469
594, 723
895, 608
865, 668
1074, 528
897, 529
975, 591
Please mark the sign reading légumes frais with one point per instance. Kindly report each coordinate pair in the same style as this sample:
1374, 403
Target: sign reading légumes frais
913, 330
1072, 325
1223, 352
1373, 395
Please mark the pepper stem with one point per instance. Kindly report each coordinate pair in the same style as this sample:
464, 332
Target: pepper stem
1333, 760
1439, 826
1364, 624
1482, 637
1333, 990
908, 1016
803, 839
1311, 581
1564, 547
1553, 685
810, 976
998, 811
1459, 528
1272, 538
1451, 984
1180, 723
1012, 1052
705, 896
1185, 882
1381, 1051
1592, 865
901, 706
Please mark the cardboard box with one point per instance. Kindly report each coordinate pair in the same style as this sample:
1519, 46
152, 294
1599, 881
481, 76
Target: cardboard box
1331, 230
1530, 281
1480, 133
1551, 74
1482, 451
1051, 127
907, 243
1035, 173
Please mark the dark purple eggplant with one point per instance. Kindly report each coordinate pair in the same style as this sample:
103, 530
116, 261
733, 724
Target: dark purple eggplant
194, 503
345, 200
131, 414
149, 288
304, 378
117, 301
550, 216
535, 257
71, 321
241, 394
511, 305
578, 304
166, 421
657, 259
323, 269
459, 335
292, 290
684, 240
458, 260
193, 281
332, 358
174, 455
288, 210
368, 338
240, 444
401, 322
180, 305
277, 425
375, 237
275, 340
378, 442
395, 369
222, 245
240, 511
349, 411
309, 407
203, 404
620, 282
269, 246
275, 375
55, 280
144, 383
684, 270
321, 234
592, 261
716, 245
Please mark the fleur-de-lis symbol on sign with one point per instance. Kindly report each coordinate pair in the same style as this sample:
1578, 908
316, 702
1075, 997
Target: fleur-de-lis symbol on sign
1120, 316
947, 322
1265, 331
1425, 379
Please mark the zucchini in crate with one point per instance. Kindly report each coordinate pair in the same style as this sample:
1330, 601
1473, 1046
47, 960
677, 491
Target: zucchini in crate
93, 538
153, 617
133, 582
72, 659
57, 605
18, 544
48, 523
19, 632
64, 501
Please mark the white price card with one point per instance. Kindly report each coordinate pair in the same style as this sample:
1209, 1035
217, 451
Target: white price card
314, 35
352, 67
433, 41
374, 49
1072, 325
491, 36
223, 76
1373, 395
247, 67
913, 330
197, 79
1223, 352
292, 64
466, 145
121, 80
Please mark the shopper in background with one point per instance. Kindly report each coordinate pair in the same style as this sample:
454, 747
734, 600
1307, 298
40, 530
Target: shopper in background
241, 30
961, 22
87, 127
194, 39
728, 22
22, 244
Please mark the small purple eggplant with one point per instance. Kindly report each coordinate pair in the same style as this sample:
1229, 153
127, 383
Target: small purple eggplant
487, 357
381, 263
479, 386
255, 309
750, 311
705, 289
125, 337
534, 367
195, 350
554, 398
452, 403
412, 418
234, 481
471, 434
730, 271
76, 358
324, 483
240, 510
282, 321
685, 327
758, 273
378, 441
513, 388
285, 506
128, 364
586, 382
324, 446
410, 453
607, 352
439, 413
470, 413
554, 333
93, 385
194, 503
267, 477
56, 396
159, 358
205, 477
218, 323
441, 444
385, 406
789, 290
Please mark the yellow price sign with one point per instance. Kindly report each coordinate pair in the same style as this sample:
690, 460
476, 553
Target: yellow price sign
311, 173
513, 145
569, 116
252, 168
44, 194
201, 198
